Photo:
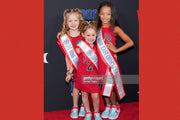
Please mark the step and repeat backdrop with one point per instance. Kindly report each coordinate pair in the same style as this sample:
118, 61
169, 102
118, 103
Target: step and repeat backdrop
57, 93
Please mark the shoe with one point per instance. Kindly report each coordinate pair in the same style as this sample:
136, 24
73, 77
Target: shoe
88, 116
97, 116
105, 113
82, 111
114, 113
74, 112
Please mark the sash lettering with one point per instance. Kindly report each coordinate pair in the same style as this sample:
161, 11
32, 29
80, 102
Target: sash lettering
113, 73
89, 53
68, 49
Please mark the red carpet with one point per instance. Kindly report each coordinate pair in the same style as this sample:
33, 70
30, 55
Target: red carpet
129, 111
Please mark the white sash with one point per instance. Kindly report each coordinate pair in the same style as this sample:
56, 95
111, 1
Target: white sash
113, 73
68, 49
89, 53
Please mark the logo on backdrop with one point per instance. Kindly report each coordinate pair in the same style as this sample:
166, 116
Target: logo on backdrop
89, 14
45, 57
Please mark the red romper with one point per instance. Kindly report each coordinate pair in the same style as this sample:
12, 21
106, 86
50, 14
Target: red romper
85, 68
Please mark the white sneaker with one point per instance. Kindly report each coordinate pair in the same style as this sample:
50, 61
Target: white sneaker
105, 113
114, 113
74, 112
88, 116
97, 116
82, 111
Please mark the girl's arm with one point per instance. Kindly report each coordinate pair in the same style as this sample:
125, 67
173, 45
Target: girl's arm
69, 74
128, 42
67, 64
70, 69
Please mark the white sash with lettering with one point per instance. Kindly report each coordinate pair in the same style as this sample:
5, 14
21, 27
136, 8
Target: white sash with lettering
68, 49
113, 76
89, 53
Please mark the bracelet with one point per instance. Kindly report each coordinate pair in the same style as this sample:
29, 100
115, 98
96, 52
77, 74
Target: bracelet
70, 73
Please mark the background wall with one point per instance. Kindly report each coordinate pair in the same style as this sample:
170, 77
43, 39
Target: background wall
57, 93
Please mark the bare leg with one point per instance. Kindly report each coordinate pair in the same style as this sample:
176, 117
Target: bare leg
75, 96
113, 98
85, 100
107, 100
95, 97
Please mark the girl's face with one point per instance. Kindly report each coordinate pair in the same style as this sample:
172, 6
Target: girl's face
105, 14
90, 36
73, 21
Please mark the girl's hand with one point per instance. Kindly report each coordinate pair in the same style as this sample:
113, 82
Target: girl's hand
67, 72
78, 51
58, 35
68, 77
111, 47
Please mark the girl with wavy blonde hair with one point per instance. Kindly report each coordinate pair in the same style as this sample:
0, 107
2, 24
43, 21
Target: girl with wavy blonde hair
65, 27
72, 26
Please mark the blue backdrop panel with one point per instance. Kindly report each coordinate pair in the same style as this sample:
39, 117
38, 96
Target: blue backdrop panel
57, 93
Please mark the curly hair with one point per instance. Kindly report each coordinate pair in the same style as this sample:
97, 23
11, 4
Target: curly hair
65, 28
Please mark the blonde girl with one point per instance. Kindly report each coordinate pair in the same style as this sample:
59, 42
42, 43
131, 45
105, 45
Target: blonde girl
71, 27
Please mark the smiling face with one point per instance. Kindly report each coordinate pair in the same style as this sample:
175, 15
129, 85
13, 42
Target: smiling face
90, 36
73, 21
105, 15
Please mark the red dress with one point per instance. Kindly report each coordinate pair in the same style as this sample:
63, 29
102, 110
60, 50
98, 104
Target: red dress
76, 40
108, 37
86, 70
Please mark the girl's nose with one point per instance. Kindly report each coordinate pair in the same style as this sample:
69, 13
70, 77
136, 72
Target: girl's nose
105, 15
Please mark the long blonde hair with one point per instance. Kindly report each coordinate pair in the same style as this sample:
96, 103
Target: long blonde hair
65, 28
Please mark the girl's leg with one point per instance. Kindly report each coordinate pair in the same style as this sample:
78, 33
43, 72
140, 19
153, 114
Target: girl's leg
74, 111
75, 96
109, 110
95, 98
96, 101
85, 100
113, 98
107, 100
115, 109
105, 113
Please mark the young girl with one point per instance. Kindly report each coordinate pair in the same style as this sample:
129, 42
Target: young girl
86, 80
70, 36
109, 28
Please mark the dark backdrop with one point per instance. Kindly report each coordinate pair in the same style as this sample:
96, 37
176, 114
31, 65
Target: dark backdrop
57, 94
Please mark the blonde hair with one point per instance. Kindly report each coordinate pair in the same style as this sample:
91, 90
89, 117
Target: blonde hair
86, 25
65, 28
